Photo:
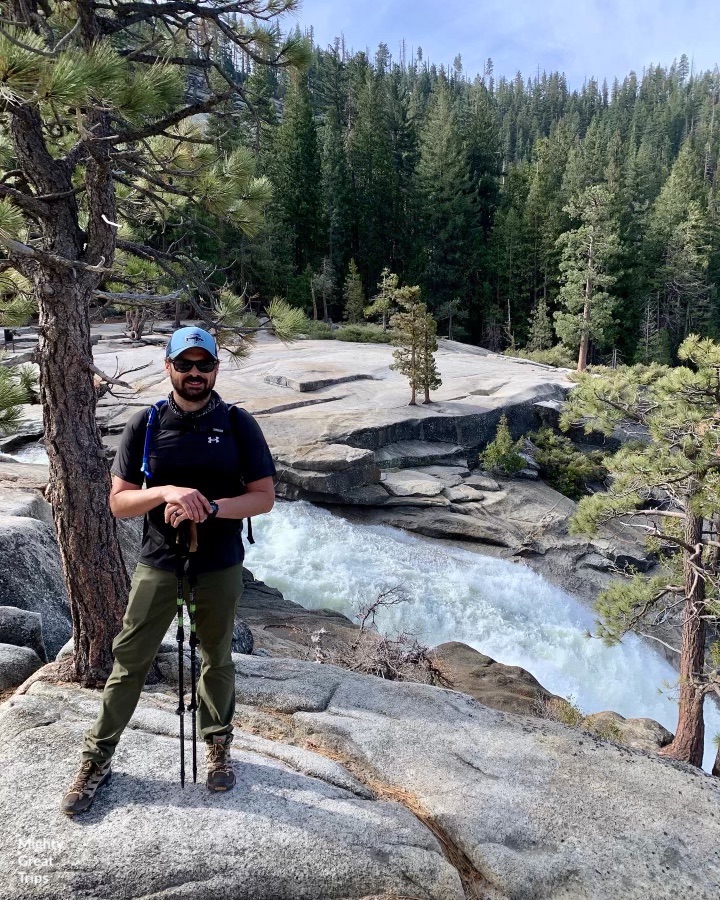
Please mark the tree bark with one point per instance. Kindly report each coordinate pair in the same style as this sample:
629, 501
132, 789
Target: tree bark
95, 576
585, 334
688, 743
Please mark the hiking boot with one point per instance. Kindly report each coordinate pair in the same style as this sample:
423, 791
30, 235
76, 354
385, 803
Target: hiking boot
90, 776
220, 774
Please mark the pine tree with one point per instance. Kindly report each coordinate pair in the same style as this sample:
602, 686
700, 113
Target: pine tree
541, 330
429, 379
501, 456
353, 294
409, 327
447, 232
672, 488
384, 301
295, 172
587, 254
373, 177
322, 284
99, 143
452, 312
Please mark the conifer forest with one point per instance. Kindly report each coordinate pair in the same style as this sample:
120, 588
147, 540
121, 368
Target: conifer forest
507, 200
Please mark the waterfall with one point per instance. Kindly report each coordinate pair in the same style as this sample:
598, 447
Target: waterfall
502, 609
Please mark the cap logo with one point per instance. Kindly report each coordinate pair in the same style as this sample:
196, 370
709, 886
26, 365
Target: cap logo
194, 339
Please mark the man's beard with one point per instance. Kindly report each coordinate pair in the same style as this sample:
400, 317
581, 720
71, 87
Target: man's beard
194, 395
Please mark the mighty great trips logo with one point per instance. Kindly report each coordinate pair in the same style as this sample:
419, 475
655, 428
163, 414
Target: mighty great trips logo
36, 857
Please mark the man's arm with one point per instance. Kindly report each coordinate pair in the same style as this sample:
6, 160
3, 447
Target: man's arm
259, 498
128, 499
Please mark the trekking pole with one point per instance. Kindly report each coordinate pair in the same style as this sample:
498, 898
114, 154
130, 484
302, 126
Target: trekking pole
192, 581
180, 637
182, 549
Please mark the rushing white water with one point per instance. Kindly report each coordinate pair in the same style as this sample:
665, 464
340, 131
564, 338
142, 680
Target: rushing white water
501, 609
31, 453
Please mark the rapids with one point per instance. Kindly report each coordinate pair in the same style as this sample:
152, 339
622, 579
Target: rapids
502, 609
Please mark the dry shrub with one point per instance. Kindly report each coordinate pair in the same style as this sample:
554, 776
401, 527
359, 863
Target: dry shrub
402, 658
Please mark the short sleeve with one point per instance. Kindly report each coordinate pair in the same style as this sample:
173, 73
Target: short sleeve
256, 459
128, 459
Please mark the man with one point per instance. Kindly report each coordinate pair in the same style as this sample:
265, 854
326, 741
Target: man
209, 465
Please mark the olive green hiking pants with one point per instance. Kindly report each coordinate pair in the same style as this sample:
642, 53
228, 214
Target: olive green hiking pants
152, 607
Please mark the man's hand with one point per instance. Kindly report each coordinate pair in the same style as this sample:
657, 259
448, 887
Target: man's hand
185, 504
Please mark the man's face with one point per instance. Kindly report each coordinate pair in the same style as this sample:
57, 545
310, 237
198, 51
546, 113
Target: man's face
193, 386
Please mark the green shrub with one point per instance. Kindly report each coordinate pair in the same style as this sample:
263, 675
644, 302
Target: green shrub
501, 455
318, 331
565, 468
556, 356
364, 334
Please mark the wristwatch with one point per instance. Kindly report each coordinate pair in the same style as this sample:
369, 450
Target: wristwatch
214, 509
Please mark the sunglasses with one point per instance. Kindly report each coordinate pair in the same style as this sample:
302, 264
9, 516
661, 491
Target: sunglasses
185, 365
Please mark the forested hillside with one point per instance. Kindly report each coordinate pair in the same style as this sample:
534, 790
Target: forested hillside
484, 192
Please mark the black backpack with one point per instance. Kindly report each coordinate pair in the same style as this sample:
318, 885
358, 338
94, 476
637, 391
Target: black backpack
153, 412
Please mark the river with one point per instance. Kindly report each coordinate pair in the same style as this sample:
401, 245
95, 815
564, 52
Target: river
502, 609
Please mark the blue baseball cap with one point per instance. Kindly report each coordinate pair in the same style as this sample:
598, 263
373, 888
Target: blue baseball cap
190, 339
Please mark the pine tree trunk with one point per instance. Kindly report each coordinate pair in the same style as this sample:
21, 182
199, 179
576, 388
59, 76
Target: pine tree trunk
585, 334
688, 744
95, 575
716, 765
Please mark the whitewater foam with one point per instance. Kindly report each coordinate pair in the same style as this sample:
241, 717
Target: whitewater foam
502, 609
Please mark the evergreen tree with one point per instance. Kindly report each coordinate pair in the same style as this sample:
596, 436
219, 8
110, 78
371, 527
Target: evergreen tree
322, 284
454, 314
99, 143
541, 330
373, 178
409, 327
501, 456
447, 232
587, 253
353, 294
672, 488
295, 172
384, 301
429, 378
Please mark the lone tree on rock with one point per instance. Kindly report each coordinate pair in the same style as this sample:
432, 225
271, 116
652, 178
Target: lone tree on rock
100, 105
671, 486
414, 333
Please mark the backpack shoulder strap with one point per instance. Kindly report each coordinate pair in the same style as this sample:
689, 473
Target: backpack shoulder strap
234, 416
152, 414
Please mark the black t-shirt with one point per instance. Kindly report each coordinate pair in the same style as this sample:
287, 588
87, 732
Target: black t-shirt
217, 453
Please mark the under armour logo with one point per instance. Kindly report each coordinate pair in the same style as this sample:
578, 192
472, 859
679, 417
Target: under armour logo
212, 440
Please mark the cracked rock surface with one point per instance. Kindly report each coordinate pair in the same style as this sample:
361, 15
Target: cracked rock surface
352, 787
297, 825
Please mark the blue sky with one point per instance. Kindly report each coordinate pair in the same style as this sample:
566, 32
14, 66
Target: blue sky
581, 38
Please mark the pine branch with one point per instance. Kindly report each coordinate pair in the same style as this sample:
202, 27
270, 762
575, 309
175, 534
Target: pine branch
51, 259
30, 204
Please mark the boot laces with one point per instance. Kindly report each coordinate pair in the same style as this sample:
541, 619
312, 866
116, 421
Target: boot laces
218, 756
81, 779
